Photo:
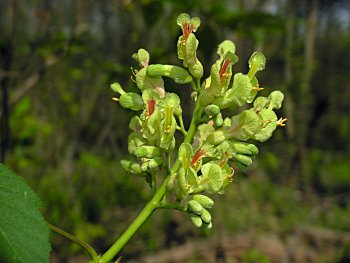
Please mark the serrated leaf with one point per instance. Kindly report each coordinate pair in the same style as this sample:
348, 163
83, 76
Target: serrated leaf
24, 234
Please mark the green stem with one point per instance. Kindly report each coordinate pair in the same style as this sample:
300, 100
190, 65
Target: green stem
138, 222
76, 240
155, 201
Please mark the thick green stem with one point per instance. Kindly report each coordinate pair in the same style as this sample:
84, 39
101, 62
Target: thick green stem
157, 198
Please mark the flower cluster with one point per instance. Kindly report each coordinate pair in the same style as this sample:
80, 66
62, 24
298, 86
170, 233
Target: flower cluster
213, 146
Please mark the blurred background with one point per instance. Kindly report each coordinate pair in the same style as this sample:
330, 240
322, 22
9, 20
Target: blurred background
62, 132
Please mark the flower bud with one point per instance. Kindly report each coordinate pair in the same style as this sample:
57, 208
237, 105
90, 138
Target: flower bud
196, 220
179, 75
206, 216
117, 88
204, 200
212, 110
194, 207
244, 159
131, 101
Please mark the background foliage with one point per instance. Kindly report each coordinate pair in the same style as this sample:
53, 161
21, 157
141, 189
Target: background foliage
62, 132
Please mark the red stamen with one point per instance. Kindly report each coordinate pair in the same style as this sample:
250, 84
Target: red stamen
224, 67
151, 105
185, 30
197, 156
191, 29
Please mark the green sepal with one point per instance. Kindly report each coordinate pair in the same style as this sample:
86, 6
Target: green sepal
147, 152
244, 125
260, 103
131, 100
167, 130
185, 154
268, 120
206, 216
244, 159
179, 75
196, 220
135, 124
203, 131
171, 100
194, 65
276, 98
204, 200
194, 207
116, 87
218, 136
182, 183
212, 178
255, 84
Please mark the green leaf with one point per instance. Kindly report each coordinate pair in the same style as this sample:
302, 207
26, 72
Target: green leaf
212, 178
24, 234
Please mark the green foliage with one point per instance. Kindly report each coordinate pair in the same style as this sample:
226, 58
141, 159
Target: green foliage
24, 233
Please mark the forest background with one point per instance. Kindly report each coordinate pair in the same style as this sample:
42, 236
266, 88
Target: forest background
62, 132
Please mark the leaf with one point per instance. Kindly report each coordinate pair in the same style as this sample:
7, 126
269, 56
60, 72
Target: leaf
24, 234
212, 178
